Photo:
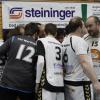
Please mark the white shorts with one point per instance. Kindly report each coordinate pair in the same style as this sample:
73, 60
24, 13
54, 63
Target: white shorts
78, 92
47, 95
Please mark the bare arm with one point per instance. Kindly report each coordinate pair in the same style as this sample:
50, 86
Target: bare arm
88, 69
40, 64
39, 69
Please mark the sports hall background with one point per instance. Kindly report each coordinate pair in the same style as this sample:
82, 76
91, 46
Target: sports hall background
81, 1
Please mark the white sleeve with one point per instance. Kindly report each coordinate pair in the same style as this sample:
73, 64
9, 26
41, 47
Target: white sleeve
39, 69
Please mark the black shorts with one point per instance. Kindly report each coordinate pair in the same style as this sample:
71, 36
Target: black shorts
8, 94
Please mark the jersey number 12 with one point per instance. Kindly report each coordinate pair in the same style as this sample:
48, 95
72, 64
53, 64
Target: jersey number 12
28, 57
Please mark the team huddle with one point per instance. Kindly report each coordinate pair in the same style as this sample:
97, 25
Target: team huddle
41, 65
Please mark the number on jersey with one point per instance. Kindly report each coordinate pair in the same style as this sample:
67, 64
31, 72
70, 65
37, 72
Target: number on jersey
58, 53
28, 57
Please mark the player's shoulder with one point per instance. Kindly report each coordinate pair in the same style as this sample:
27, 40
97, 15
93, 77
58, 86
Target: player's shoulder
77, 38
86, 36
46, 39
41, 39
66, 38
72, 38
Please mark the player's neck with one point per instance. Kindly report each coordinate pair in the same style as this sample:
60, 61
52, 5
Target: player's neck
50, 35
76, 34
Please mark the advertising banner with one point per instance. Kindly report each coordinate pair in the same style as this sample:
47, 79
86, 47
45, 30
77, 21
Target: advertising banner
93, 9
15, 13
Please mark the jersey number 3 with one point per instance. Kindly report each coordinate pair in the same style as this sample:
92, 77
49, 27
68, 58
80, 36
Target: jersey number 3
28, 57
58, 52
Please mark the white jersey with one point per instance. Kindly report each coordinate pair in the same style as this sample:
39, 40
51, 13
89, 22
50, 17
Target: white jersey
53, 59
1, 62
74, 46
94, 44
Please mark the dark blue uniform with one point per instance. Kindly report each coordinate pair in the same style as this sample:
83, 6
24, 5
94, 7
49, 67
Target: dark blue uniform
19, 72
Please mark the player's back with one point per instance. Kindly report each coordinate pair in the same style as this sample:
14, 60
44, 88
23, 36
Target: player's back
53, 59
73, 46
19, 70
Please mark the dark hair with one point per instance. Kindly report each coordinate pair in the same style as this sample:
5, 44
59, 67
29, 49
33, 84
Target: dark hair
60, 31
51, 29
74, 23
14, 32
38, 24
31, 29
67, 30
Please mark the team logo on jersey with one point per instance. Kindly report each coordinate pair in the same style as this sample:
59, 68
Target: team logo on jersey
16, 13
95, 55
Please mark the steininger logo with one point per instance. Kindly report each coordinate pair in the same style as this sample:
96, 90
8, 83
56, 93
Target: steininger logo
21, 13
16, 13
